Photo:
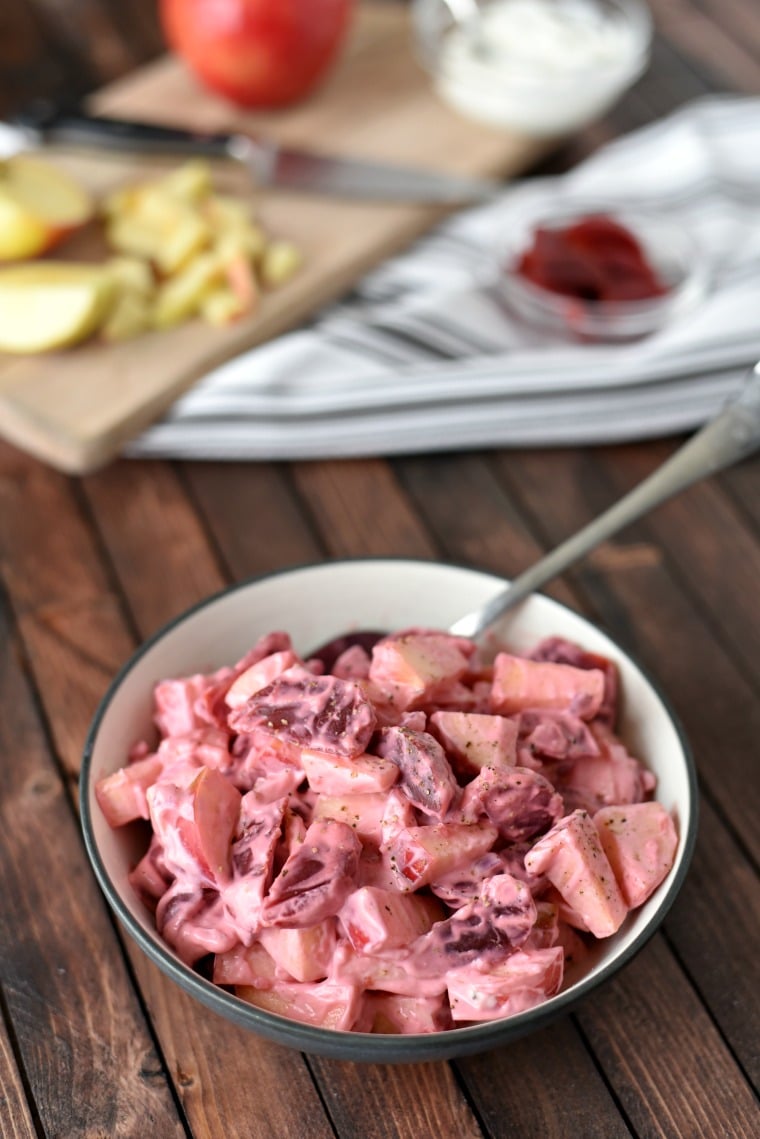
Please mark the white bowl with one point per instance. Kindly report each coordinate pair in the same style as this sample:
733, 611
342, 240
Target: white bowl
541, 91
315, 603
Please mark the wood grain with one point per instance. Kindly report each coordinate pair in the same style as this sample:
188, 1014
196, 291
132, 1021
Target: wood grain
132, 503
15, 1115
361, 510
725, 56
230, 1082
515, 1098
88, 1056
646, 1014
619, 590
701, 530
713, 929
473, 519
253, 514
202, 1051
742, 483
382, 1101
70, 620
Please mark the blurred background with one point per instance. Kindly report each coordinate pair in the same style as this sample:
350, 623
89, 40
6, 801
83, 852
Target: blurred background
68, 48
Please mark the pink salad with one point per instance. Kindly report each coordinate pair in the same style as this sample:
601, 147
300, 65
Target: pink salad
411, 842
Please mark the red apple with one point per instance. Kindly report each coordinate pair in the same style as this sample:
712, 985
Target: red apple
257, 53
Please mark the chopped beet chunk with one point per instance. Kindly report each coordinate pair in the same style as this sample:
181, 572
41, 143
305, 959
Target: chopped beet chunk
320, 712
317, 878
426, 776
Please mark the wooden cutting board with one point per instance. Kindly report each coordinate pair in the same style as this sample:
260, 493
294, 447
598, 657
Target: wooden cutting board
75, 409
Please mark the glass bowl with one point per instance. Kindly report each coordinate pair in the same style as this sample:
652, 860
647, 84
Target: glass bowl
540, 79
667, 247
315, 603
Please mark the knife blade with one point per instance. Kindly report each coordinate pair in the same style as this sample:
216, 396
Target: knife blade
268, 163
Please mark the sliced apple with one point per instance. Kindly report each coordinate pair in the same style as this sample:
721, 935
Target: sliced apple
191, 181
133, 274
242, 280
51, 305
161, 228
129, 316
221, 306
225, 212
249, 241
279, 262
40, 205
181, 296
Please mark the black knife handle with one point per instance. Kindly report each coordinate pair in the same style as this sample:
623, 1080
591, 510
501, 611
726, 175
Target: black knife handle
48, 122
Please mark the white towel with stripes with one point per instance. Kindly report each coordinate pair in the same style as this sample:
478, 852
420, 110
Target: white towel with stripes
423, 355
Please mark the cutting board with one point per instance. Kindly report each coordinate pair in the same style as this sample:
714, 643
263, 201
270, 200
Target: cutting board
75, 409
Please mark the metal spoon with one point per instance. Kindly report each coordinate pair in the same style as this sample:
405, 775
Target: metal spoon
732, 435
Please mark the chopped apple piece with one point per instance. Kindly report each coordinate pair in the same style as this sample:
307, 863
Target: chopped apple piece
326, 1004
247, 241
279, 261
221, 307
191, 181
181, 296
304, 954
225, 212
180, 251
155, 225
120, 201
50, 305
182, 237
133, 274
40, 205
127, 234
241, 279
130, 316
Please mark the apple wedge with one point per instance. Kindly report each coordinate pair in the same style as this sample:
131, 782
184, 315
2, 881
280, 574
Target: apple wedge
51, 305
40, 205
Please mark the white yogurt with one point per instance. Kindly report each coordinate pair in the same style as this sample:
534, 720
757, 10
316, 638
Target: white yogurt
543, 67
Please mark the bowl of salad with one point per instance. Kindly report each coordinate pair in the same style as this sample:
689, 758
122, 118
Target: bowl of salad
396, 845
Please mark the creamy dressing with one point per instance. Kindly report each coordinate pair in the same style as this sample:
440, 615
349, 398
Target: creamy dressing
542, 67
423, 902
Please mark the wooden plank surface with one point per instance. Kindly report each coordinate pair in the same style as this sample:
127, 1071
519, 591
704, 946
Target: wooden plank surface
88, 1055
93, 1040
75, 408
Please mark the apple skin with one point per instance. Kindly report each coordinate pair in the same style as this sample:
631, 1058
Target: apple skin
257, 53
40, 206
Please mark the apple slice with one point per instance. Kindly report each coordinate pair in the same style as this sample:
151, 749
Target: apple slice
39, 206
128, 316
51, 305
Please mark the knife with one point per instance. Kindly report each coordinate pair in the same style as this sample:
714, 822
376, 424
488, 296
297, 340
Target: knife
268, 163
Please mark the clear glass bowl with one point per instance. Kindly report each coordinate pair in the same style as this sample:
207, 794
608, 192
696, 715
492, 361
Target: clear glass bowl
541, 81
668, 248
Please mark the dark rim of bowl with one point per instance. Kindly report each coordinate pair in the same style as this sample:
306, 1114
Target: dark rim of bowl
347, 1045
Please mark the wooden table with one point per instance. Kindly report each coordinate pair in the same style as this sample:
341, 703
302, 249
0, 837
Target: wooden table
93, 1039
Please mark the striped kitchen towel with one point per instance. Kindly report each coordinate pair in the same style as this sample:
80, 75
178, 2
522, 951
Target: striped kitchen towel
424, 356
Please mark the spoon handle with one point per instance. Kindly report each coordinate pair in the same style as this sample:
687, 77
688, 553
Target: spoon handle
731, 436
